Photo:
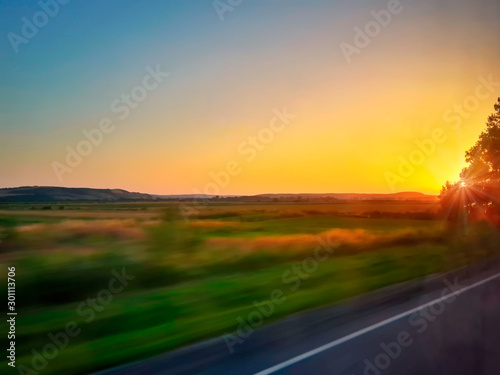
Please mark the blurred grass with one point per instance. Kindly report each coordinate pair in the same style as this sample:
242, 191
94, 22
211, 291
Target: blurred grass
165, 318
190, 284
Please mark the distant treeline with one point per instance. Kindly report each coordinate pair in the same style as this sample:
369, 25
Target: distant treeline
288, 199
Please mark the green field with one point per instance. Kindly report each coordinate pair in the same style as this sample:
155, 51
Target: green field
192, 280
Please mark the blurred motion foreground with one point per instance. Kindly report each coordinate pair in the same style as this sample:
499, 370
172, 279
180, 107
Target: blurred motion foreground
100, 285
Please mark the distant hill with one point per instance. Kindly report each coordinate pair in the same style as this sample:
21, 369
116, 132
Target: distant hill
311, 197
61, 194
185, 196
403, 196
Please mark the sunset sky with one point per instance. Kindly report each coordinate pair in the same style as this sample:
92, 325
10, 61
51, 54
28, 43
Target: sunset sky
352, 122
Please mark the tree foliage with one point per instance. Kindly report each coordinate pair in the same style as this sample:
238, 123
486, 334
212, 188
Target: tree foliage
477, 193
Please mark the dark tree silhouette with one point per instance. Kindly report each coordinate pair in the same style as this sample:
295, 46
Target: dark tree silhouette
477, 194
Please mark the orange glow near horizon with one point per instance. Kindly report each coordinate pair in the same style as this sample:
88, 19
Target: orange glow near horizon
384, 123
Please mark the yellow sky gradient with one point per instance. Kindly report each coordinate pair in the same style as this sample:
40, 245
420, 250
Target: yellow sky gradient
354, 121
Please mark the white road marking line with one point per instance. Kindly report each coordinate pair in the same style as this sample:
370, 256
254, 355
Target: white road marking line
332, 344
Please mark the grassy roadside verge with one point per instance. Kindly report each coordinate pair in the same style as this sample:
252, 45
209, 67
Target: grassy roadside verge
141, 324
193, 281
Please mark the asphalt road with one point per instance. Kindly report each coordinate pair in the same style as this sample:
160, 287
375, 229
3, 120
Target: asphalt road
451, 328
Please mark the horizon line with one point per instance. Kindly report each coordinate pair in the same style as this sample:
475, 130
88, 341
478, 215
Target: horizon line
222, 195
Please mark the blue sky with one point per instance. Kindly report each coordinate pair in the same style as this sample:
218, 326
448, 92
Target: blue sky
226, 78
